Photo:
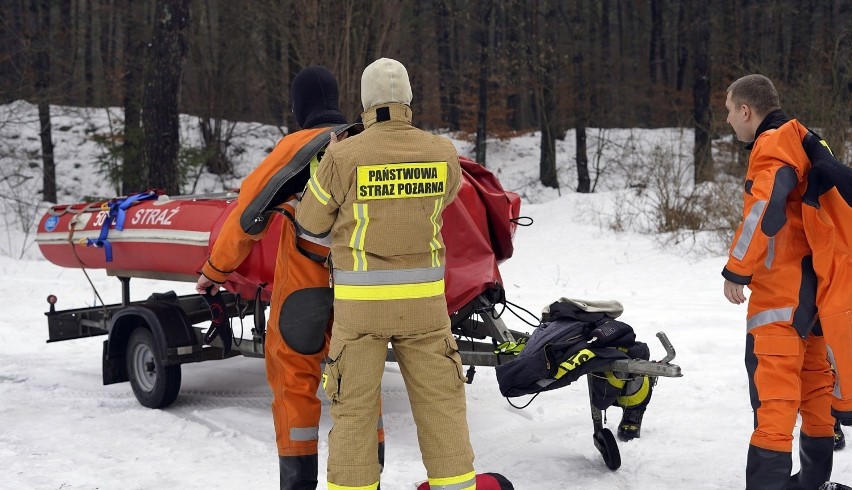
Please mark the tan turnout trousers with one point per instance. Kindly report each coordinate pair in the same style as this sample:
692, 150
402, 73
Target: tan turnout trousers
432, 371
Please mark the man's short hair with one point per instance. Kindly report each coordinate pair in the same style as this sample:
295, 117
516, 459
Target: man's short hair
757, 92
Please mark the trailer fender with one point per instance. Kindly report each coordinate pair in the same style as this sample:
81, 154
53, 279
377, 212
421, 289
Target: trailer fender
176, 340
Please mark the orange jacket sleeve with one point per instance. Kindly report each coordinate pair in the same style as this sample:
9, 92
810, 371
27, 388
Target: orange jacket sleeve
235, 240
777, 166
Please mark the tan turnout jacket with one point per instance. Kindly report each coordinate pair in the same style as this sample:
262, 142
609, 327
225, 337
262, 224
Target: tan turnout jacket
380, 195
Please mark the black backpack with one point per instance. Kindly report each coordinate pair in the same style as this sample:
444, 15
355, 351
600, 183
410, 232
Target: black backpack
572, 343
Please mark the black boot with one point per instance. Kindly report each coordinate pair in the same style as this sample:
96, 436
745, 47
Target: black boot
631, 423
816, 455
767, 469
839, 438
381, 461
298, 472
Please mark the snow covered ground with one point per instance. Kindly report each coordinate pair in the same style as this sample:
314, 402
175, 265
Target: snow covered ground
60, 428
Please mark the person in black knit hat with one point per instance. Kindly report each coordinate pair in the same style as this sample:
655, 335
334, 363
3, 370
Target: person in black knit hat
299, 323
314, 98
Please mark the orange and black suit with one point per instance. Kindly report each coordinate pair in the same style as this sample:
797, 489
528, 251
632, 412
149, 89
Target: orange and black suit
827, 215
786, 355
299, 326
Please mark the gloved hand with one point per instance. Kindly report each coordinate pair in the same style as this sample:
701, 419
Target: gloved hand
514, 348
219, 324
612, 333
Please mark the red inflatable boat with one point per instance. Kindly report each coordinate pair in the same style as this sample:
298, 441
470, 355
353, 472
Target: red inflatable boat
162, 237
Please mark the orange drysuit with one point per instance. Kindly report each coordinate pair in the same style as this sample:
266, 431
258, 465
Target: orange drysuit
299, 325
827, 216
785, 353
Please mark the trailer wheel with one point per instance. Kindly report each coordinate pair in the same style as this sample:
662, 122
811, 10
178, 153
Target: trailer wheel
605, 443
155, 385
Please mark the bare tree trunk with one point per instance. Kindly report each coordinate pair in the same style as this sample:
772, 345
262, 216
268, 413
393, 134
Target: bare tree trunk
40, 11
654, 55
682, 40
701, 94
517, 24
484, 38
65, 48
49, 178
88, 57
578, 22
161, 95
547, 160
275, 67
546, 67
133, 175
446, 68
293, 69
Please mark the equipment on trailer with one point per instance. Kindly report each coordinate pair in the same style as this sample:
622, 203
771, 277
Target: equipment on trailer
155, 236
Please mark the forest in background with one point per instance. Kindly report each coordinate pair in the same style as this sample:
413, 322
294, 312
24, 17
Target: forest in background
482, 68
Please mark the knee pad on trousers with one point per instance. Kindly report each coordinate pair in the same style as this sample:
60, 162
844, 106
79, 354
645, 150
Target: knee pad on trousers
636, 392
304, 318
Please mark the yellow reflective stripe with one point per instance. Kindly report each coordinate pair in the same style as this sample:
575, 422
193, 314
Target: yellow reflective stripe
572, 362
434, 244
322, 196
615, 380
638, 397
312, 168
461, 482
359, 234
381, 292
334, 486
825, 144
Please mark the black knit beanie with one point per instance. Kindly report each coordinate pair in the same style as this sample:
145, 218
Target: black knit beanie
314, 98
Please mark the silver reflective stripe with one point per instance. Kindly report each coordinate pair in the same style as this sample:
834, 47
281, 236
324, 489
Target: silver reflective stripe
770, 253
770, 316
324, 241
837, 389
749, 226
381, 423
454, 486
304, 433
398, 276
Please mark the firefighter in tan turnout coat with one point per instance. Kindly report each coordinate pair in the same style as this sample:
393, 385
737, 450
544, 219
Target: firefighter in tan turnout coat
380, 195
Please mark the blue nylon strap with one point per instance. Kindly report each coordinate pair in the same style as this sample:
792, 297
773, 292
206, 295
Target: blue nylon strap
117, 212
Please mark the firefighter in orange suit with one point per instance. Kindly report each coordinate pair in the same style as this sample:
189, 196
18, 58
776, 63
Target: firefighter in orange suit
299, 323
827, 215
380, 196
786, 356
